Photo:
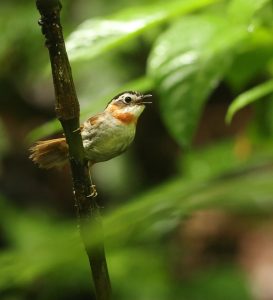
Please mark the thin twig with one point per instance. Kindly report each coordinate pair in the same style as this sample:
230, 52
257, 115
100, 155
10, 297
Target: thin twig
68, 111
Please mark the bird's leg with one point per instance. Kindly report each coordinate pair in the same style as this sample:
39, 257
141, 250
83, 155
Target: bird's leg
93, 191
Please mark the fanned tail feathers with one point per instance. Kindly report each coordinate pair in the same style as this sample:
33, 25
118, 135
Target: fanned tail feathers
49, 154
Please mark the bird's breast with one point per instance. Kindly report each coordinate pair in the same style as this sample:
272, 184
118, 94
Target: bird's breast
107, 138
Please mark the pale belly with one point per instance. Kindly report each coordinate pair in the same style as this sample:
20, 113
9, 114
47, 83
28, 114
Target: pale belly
106, 141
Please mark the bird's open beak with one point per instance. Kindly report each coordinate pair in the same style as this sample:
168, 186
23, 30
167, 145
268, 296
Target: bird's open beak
145, 97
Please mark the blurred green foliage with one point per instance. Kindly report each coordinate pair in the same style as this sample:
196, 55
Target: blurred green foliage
190, 55
248, 97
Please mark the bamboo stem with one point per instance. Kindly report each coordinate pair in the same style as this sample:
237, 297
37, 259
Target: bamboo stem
68, 111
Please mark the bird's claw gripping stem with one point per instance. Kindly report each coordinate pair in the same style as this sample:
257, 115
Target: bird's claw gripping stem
93, 191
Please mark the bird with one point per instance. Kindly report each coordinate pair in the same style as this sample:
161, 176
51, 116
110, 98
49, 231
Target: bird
104, 135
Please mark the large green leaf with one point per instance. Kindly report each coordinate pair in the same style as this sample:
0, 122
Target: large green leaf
96, 36
187, 63
248, 97
243, 10
253, 61
190, 59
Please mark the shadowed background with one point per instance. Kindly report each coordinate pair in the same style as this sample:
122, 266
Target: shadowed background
188, 209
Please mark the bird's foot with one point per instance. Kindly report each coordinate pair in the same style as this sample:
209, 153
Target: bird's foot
93, 191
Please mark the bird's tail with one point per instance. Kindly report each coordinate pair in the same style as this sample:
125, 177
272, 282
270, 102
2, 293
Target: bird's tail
49, 154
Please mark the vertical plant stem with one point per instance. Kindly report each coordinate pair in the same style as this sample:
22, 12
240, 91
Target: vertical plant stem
68, 111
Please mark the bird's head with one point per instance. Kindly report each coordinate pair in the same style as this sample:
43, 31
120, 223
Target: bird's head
128, 106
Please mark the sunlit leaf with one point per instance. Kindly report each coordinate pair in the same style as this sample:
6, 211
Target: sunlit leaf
188, 68
243, 10
249, 97
97, 36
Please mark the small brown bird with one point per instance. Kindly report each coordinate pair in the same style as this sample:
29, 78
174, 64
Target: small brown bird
105, 135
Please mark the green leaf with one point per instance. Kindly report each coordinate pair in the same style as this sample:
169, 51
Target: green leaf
248, 97
247, 67
188, 68
96, 36
243, 10
139, 84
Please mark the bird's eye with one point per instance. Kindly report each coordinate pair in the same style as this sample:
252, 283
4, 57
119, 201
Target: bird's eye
128, 99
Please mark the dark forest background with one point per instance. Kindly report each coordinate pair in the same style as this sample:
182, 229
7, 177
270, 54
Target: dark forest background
188, 209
